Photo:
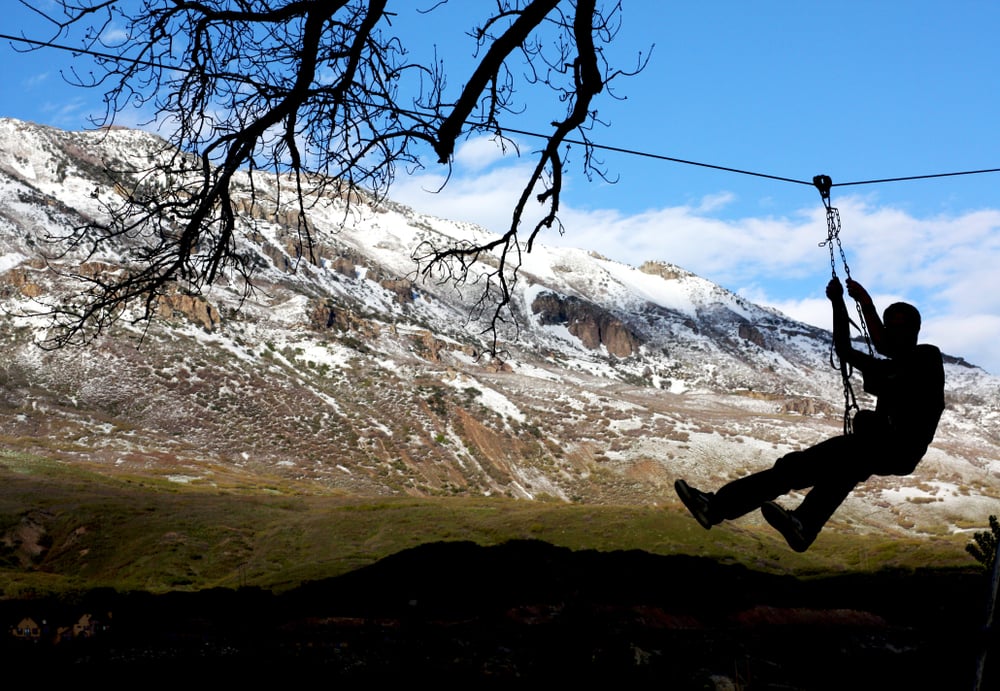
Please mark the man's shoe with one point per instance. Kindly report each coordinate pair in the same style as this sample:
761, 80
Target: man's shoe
697, 502
790, 527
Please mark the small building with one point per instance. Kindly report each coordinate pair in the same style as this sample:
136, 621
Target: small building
85, 627
27, 629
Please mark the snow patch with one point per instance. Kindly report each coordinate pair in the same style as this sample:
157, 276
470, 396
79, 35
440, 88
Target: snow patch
490, 398
9, 261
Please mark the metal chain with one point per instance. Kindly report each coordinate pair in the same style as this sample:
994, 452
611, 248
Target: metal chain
833, 238
823, 184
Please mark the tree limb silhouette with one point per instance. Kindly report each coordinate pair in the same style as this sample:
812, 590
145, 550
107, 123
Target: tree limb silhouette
325, 94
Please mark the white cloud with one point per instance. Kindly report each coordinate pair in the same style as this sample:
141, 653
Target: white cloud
811, 310
114, 36
944, 264
724, 250
713, 202
37, 80
973, 335
479, 153
66, 112
487, 199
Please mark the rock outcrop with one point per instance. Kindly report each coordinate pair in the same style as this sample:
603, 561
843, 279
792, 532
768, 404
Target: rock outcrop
193, 308
593, 325
749, 332
664, 270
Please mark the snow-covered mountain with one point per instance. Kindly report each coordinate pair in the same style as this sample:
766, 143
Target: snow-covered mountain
350, 375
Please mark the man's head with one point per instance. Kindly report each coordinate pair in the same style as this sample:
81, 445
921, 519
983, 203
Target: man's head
902, 324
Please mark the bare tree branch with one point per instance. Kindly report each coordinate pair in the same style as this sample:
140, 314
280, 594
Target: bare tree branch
321, 91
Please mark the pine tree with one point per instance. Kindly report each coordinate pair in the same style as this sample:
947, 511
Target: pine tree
984, 545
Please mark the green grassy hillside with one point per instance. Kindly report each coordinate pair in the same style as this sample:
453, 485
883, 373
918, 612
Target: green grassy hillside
65, 528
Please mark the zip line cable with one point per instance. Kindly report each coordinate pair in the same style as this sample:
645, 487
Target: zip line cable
916, 177
86, 51
646, 154
601, 147
660, 157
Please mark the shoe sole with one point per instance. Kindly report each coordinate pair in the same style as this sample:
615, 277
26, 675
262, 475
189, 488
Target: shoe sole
779, 519
687, 498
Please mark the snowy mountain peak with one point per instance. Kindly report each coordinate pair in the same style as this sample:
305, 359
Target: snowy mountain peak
350, 374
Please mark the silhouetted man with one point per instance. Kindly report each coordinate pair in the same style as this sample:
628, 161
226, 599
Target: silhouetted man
890, 440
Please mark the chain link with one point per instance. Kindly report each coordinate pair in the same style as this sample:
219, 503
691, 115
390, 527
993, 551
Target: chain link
833, 238
832, 242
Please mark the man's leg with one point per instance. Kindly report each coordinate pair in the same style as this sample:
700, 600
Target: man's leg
801, 526
797, 470
742, 496
731, 501
849, 464
823, 500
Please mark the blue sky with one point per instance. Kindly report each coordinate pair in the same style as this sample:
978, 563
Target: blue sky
855, 90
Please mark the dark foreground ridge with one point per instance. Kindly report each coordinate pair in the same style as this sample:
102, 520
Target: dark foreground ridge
527, 610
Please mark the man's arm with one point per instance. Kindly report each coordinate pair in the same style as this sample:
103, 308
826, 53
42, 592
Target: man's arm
868, 311
842, 325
